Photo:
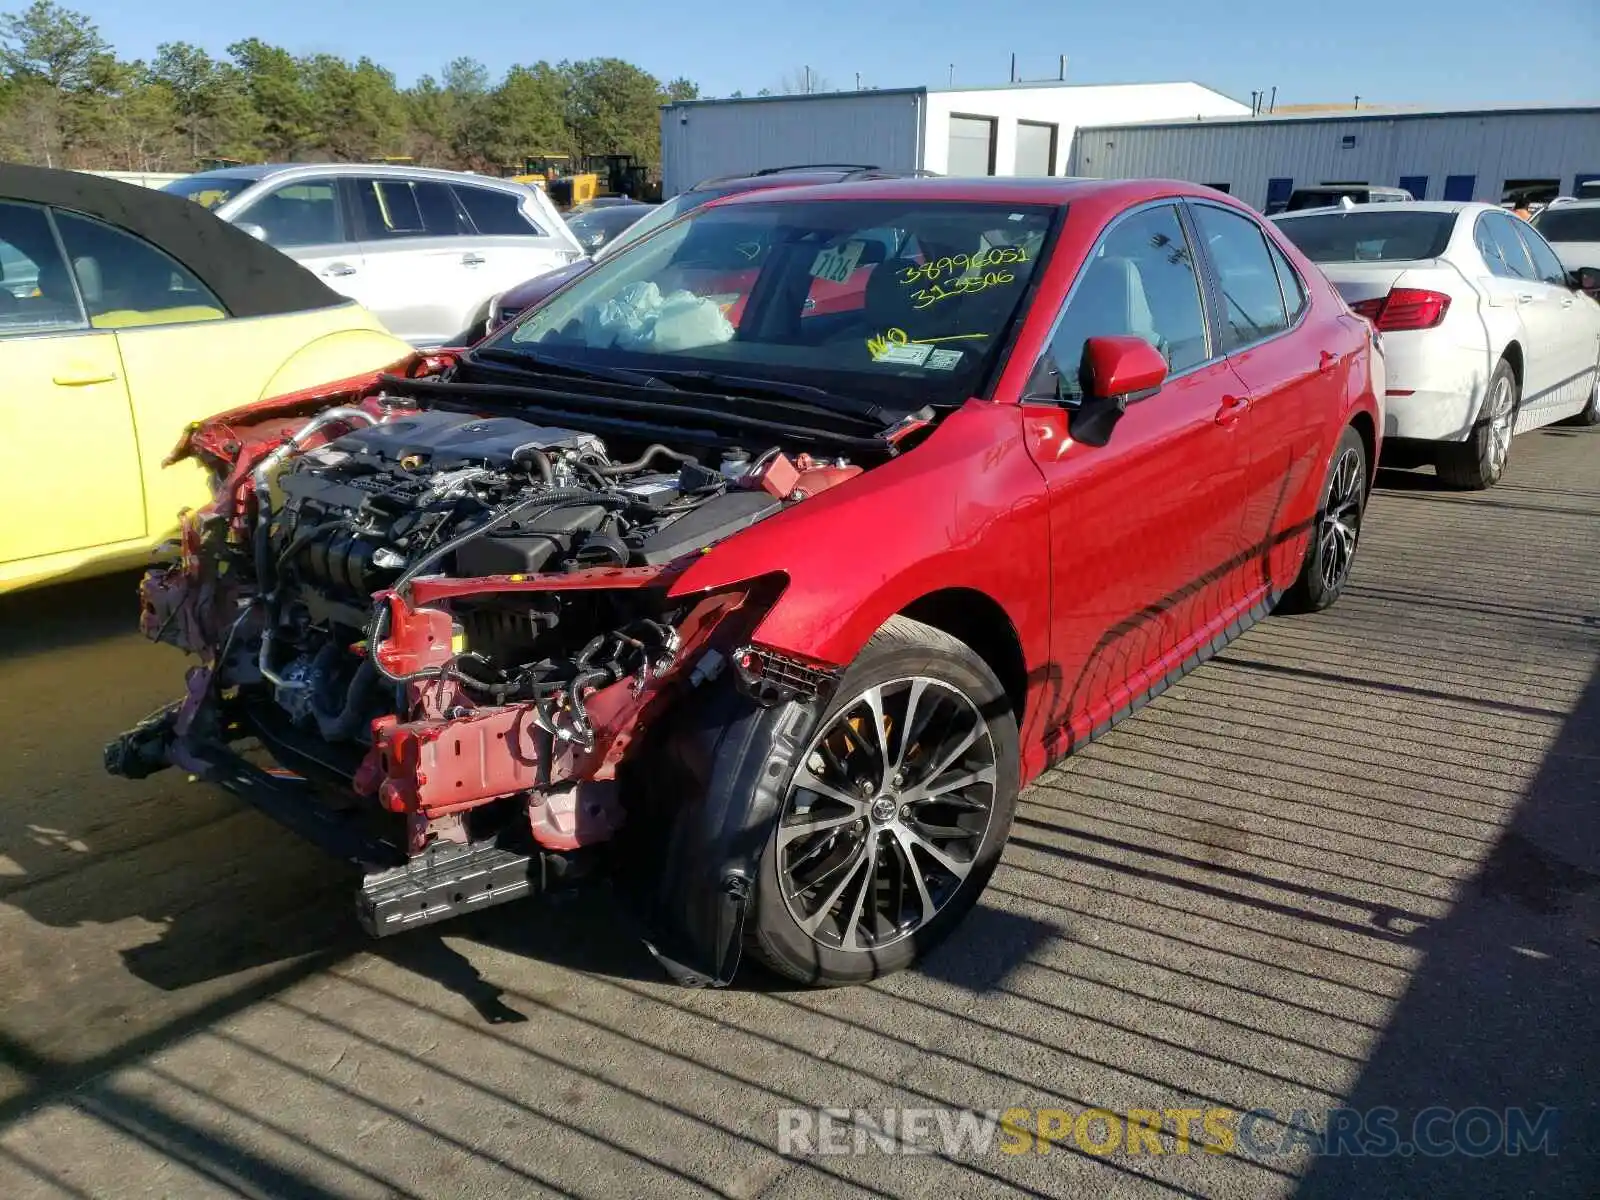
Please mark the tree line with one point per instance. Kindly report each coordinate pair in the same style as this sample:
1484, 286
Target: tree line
67, 100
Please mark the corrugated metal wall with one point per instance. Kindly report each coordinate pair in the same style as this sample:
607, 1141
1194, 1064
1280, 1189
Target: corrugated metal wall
705, 139
1492, 147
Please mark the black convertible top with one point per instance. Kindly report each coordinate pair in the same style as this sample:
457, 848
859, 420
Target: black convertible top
248, 276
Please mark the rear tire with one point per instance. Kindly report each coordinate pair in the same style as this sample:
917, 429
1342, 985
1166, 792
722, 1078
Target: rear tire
866, 872
1336, 531
1480, 461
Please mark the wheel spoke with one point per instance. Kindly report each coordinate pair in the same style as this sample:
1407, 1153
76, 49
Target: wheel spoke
903, 844
909, 730
938, 787
953, 756
865, 853
873, 697
910, 837
805, 777
790, 830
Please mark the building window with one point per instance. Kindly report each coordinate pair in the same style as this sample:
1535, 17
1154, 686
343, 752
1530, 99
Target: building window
971, 146
1460, 187
1224, 188
1417, 185
1036, 149
1278, 193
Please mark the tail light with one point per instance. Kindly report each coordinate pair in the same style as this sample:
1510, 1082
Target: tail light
1405, 308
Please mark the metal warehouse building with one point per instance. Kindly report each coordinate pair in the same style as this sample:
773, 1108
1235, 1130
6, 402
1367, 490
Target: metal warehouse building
1495, 155
1019, 129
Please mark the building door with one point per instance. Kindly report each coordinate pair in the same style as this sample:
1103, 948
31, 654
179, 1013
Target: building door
1459, 187
1417, 185
971, 146
1036, 149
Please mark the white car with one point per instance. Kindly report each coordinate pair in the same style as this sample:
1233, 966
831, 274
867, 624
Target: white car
425, 250
1485, 333
1573, 231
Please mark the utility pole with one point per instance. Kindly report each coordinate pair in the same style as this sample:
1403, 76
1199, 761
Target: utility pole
1013, 68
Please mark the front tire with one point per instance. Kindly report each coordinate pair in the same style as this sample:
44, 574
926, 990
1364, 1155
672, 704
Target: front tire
1480, 461
1336, 531
894, 816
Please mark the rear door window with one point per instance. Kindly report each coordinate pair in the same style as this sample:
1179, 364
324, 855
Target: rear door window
1545, 262
1501, 248
1252, 300
403, 208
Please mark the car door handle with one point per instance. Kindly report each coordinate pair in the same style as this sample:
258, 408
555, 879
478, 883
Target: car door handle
472, 260
1526, 297
339, 269
1233, 407
83, 376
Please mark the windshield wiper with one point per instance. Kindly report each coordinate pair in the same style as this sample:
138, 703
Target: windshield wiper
806, 394
532, 364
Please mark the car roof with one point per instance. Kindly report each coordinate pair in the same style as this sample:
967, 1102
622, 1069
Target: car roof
249, 277
260, 171
1434, 206
995, 189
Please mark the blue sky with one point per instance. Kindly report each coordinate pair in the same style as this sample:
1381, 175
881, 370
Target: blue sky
1425, 51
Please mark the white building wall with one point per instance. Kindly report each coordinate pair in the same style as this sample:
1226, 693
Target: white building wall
708, 138
1067, 106
1490, 146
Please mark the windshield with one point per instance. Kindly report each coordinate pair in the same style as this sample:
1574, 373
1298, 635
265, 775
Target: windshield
1370, 235
209, 191
1566, 223
878, 299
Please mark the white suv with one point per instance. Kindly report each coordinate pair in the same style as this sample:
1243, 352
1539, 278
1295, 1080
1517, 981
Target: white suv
425, 250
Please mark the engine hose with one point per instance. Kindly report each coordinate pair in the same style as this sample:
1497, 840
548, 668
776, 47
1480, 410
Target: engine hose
540, 461
643, 460
335, 726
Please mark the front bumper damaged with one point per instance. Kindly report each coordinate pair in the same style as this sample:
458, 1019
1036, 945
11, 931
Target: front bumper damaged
399, 810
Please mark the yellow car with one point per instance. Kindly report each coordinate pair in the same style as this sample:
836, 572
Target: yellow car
165, 316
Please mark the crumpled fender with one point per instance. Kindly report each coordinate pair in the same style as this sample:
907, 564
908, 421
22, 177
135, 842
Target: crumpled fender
737, 757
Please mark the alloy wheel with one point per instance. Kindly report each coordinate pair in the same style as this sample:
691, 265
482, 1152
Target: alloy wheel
1341, 520
1501, 415
886, 813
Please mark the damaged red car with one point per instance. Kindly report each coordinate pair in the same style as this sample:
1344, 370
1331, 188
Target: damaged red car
762, 564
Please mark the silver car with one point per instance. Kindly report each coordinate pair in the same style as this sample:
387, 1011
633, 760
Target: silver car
424, 249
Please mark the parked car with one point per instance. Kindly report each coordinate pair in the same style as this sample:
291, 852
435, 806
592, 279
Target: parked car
1330, 194
1573, 231
773, 626
1486, 334
165, 316
597, 226
508, 306
425, 250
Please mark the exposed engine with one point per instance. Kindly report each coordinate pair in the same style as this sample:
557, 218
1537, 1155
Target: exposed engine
429, 493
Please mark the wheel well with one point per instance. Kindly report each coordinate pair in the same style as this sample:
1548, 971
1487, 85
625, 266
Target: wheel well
979, 621
1513, 355
1362, 424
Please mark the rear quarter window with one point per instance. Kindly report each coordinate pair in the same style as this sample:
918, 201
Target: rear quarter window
496, 213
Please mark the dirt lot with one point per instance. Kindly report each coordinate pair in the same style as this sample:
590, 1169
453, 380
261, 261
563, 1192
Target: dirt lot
1354, 861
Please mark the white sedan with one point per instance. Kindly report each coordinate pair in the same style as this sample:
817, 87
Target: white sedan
1485, 333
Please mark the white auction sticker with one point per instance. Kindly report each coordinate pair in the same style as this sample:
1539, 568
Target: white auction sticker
903, 352
835, 264
942, 360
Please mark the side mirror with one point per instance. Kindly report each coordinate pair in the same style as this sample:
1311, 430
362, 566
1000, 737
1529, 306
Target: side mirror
1123, 368
1586, 280
254, 231
1117, 370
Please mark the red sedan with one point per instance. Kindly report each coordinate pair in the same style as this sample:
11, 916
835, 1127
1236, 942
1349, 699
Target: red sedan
764, 563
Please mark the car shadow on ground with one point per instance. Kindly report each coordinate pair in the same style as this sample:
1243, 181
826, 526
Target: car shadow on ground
63, 615
1500, 1015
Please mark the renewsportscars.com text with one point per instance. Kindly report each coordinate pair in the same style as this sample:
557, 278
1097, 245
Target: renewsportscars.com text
1256, 1133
